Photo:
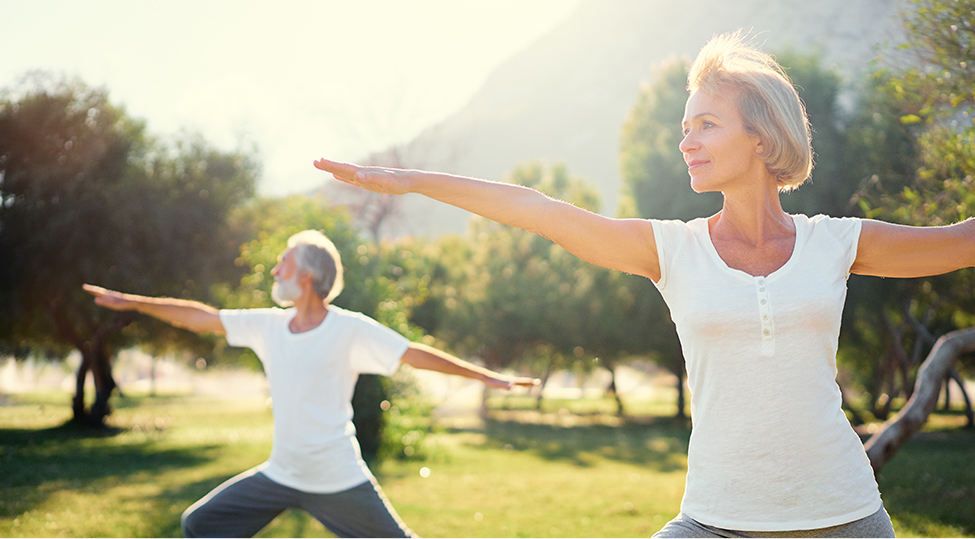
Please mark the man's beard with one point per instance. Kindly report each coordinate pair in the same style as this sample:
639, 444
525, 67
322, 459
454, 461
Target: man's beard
284, 293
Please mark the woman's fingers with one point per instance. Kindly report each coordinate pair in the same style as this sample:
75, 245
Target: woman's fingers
341, 171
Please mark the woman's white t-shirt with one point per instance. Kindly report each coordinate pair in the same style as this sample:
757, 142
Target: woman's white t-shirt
311, 377
770, 448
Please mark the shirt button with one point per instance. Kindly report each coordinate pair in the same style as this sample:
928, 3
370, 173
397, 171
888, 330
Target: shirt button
761, 289
764, 317
761, 281
763, 302
767, 333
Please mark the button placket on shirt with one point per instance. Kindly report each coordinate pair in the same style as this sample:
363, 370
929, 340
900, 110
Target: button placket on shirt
765, 316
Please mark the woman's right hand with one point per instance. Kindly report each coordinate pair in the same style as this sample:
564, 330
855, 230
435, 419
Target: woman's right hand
376, 179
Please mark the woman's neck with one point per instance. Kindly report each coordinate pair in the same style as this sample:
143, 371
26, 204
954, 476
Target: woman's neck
752, 216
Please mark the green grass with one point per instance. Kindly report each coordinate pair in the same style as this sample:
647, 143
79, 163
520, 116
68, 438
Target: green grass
523, 474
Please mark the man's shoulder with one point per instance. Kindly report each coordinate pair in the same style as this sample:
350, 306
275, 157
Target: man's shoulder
270, 312
348, 316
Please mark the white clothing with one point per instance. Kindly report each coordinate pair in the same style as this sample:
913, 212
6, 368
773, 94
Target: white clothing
770, 448
311, 376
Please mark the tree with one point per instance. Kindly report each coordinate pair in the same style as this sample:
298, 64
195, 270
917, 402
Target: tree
883, 445
87, 196
506, 301
932, 101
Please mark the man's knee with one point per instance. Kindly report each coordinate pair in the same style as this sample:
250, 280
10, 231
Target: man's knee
192, 523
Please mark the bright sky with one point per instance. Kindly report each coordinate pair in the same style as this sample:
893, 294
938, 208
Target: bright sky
302, 79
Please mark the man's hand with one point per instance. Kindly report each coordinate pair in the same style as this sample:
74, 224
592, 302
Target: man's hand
111, 299
421, 356
508, 382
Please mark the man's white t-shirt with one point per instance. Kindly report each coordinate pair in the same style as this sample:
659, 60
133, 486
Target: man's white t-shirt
771, 448
311, 376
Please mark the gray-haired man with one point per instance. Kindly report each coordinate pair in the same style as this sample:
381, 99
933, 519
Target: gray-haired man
312, 354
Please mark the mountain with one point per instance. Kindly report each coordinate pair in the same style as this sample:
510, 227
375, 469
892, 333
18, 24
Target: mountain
565, 97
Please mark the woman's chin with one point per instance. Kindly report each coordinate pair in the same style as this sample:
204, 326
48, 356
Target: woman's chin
701, 187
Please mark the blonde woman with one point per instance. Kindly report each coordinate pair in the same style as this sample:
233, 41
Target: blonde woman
756, 294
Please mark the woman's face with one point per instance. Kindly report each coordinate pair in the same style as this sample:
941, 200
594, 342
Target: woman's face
718, 151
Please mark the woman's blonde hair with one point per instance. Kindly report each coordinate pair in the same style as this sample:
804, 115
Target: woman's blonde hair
768, 103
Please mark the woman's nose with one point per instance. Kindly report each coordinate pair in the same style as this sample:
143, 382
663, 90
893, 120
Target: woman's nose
687, 143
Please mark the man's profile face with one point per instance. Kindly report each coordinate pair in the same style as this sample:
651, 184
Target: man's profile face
286, 288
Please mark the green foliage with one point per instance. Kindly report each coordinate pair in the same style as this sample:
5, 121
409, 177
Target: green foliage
408, 420
86, 195
926, 176
831, 188
508, 301
655, 180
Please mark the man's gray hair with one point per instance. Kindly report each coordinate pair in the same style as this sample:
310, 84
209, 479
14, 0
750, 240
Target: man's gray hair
316, 254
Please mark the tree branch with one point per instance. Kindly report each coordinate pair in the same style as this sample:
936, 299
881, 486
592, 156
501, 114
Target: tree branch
882, 446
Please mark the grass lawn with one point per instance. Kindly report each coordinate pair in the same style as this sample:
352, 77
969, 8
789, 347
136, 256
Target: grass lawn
522, 474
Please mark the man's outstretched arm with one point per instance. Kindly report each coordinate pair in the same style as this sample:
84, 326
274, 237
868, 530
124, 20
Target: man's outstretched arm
192, 315
421, 356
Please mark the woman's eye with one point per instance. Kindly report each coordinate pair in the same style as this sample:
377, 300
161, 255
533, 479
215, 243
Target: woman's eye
707, 124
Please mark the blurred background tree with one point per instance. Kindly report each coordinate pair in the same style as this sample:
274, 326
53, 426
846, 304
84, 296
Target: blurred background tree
920, 170
86, 195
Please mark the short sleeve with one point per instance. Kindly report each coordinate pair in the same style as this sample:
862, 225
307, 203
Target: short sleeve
665, 235
376, 348
845, 231
245, 327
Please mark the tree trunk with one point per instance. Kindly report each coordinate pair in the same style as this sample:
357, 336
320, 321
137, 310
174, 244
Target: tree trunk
78, 401
95, 359
947, 386
969, 413
104, 384
541, 387
883, 445
616, 394
90, 338
681, 376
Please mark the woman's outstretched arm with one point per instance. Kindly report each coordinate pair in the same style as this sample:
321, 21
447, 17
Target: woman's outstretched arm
626, 245
889, 250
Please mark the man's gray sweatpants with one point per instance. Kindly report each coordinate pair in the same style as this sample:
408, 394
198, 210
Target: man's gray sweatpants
244, 504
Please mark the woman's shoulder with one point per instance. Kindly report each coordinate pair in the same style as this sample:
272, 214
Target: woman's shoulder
828, 223
677, 226
841, 231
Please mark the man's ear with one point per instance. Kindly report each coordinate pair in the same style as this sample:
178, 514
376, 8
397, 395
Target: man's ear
304, 279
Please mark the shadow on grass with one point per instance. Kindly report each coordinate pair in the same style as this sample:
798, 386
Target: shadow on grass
660, 444
931, 483
38, 463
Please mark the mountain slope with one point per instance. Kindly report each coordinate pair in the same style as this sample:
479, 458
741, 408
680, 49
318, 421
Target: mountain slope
565, 97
